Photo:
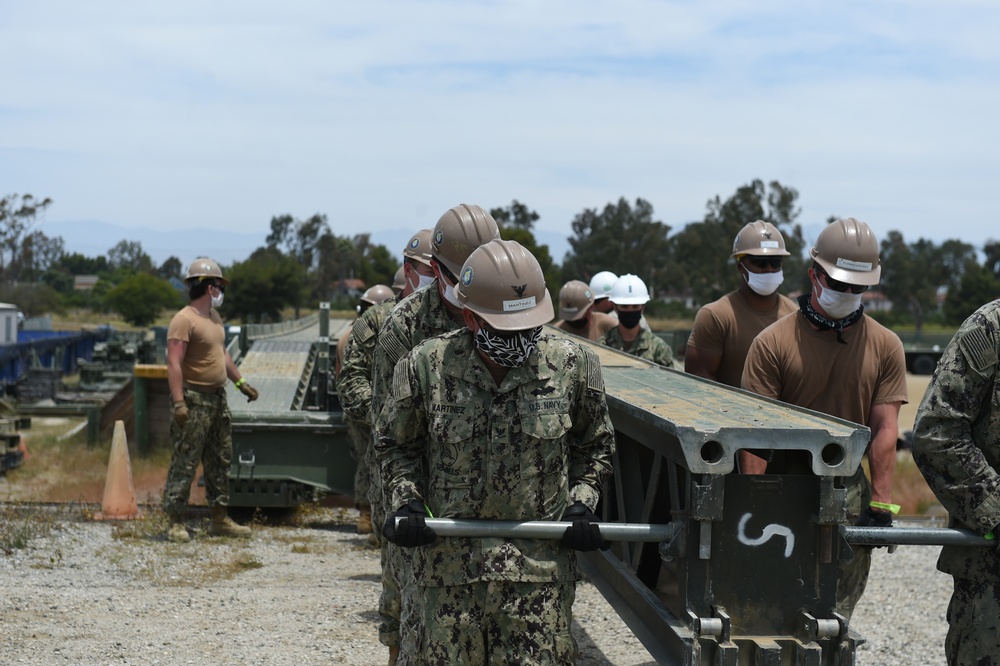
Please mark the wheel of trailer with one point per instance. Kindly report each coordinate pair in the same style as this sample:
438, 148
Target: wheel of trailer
924, 365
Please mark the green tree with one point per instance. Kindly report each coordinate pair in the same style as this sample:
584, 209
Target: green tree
620, 239
298, 238
141, 298
33, 299
77, 264
516, 223
263, 285
171, 268
702, 264
977, 286
129, 257
515, 216
378, 264
38, 254
18, 215
911, 276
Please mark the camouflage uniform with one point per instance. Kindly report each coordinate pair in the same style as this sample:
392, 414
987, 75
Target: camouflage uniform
648, 346
205, 438
956, 444
419, 316
354, 388
527, 449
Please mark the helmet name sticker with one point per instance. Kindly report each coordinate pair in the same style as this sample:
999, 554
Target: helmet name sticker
520, 304
769, 245
854, 265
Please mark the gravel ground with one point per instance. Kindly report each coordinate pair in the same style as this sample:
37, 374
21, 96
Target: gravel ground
93, 593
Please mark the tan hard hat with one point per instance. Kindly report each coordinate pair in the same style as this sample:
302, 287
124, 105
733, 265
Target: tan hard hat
460, 231
419, 247
574, 299
202, 268
848, 251
377, 294
503, 283
399, 280
760, 238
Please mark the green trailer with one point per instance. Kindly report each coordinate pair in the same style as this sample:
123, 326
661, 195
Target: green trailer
291, 445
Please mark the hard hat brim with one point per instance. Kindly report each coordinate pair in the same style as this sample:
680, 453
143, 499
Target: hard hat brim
860, 278
541, 313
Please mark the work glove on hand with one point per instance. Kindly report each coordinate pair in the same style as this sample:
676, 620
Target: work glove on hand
180, 412
873, 518
584, 534
249, 391
412, 530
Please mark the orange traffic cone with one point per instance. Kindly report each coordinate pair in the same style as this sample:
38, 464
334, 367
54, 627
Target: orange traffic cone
23, 448
119, 493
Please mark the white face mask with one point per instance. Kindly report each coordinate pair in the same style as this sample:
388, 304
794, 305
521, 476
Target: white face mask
449, 295
838, 304
765, 284
217, 300
423, 281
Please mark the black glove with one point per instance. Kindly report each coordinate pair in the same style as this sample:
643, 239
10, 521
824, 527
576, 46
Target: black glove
872, 518
412, 531
584, 534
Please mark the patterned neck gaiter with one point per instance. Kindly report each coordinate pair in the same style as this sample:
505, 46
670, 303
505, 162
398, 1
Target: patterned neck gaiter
824, 324
510, 352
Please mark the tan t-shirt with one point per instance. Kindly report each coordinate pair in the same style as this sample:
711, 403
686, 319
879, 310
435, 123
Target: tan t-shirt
795, 363
726, 328
204, 362
599, 324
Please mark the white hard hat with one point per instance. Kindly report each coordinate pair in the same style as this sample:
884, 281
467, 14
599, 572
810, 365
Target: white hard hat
629, 290
601, 284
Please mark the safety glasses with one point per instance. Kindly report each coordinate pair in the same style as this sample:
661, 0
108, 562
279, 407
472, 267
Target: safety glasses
764, 262
842, 287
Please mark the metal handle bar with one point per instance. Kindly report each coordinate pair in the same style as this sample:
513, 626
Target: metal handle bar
546, 529
913, 536
543, 529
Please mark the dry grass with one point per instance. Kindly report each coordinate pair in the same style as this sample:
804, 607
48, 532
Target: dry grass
61, 468
910, 490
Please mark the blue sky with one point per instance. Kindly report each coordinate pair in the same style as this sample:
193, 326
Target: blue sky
188, 125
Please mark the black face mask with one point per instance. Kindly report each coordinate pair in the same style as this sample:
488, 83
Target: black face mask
629, 318
577, 323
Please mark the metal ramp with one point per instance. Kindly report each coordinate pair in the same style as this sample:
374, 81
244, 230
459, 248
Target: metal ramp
291, 443
277, 368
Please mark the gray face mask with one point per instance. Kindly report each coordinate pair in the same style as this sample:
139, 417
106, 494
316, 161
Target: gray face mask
217, 300
509, 352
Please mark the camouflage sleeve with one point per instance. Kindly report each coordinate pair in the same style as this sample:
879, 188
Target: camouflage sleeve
945, 445
593, 435
662, 353
401, 436
392, 345
354, 383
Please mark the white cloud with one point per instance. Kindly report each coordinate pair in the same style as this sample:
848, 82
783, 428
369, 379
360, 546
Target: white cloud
214, 117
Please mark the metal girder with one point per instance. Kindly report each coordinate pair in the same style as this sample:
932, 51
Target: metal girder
748, 573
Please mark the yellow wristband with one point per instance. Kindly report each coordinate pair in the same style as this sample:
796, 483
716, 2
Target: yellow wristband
891, 508
243, 380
